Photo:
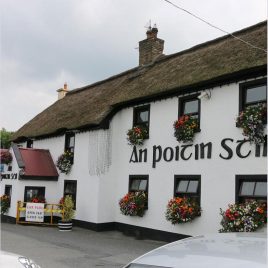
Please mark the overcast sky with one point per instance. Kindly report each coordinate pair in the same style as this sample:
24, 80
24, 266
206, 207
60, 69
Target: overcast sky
45, 43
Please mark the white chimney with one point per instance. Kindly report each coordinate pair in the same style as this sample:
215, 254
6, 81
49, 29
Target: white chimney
62, 91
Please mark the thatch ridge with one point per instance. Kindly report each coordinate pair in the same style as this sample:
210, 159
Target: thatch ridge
89, 106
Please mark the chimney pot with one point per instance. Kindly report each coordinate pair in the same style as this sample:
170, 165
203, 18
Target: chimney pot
62, 91
150, 48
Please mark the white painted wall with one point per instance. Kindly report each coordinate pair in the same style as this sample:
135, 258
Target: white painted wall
98, 195
217, 175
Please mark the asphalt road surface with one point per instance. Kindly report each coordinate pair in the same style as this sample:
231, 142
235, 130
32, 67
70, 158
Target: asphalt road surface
81, 248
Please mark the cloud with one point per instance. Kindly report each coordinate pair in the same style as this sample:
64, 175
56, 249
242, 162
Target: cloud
47, 43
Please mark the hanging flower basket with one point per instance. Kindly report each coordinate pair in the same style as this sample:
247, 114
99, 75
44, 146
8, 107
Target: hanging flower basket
4, 203
136, 135
182, 210
185, 128
245, 217
133, 204
252, 120
6, 157
65, 162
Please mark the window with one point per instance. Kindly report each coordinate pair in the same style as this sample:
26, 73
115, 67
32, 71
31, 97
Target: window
8, 192
251, 187
139, 183
33, 191
29, 144
188, 186
69, 142
190, 105
70, 187
252, 93
141, 116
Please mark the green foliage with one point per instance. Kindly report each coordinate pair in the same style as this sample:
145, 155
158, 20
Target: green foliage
182, 209
185, 128
136, 135
5, 137
133, 203
65, 162
68, 207
4, 203
252, 120
244, 217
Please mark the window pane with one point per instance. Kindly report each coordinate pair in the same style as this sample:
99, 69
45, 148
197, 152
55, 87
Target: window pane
247, 188
190, 107
256, 94
261, 189
135, 185
192, 188
70, 188
71, 141
182, 186
8, 190
143, 116
143, 185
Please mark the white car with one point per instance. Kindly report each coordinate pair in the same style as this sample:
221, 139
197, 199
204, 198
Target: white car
228, 250
11, 260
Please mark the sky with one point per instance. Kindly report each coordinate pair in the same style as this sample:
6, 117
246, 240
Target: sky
45, 43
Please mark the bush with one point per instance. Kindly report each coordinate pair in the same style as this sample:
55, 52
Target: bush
4, 203
67, 205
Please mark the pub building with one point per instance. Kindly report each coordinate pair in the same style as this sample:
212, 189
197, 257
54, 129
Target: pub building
211, 82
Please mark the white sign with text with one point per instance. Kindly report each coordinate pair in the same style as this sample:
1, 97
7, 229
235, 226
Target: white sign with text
35, 212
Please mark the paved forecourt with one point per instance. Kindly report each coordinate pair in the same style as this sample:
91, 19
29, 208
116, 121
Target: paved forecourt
80, 248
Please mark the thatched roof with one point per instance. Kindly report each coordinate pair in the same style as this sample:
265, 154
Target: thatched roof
215, 62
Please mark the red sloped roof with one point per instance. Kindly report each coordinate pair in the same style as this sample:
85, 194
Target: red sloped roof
38, 163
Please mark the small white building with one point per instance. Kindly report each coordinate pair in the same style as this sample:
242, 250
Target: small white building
212, 82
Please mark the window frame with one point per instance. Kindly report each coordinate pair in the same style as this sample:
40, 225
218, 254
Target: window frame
29, 143
136, 111
73, 195
67, 147
139, 177
243, 87
43, 188
239, 179
182, 101
195, 177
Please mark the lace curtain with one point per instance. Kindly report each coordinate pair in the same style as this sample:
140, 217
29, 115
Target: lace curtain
100, 151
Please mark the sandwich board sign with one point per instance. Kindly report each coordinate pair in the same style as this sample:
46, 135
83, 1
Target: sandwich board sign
35, 212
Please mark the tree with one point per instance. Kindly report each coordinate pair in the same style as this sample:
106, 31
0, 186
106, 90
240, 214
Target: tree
5, 137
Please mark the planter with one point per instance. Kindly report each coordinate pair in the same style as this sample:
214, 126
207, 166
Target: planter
65, 226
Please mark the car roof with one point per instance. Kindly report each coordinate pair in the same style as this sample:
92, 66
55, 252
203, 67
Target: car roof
232, 250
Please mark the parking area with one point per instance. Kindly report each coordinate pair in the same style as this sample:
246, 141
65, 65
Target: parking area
80, 248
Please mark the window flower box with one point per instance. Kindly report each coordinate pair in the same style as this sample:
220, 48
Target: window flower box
252, 120
182, 210
185, 128
244, 217
134, 204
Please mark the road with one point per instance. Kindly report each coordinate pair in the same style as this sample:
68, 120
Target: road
80, 248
